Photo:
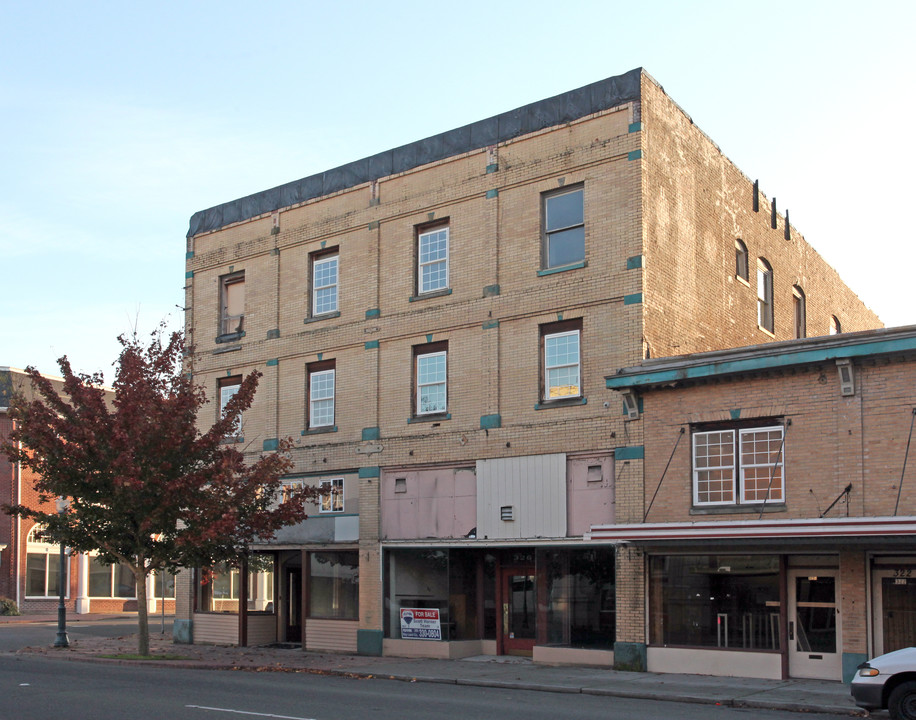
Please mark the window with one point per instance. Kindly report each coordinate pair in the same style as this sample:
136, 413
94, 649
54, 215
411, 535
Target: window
321, 383
334, 585
42, 565
764, 295
232, 303
798, 306
835, 328
728, 474
324, 283
564, 228
432, 259
228, 387
332, 495
219, 589
741, 269
561, 359
110, 581
160, 580
431, 369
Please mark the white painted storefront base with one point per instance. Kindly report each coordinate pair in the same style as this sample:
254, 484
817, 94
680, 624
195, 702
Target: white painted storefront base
438, 650
723, 663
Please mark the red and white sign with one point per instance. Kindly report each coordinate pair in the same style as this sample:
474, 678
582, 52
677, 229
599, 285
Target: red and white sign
420, 624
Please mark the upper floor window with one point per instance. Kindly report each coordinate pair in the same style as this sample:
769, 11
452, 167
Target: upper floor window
835, 328
432, 259
321, 386
738, 466
798, 307
228, 387
324, 283
741, 266
561, 360
764, 295
332, 495
564, 227
431, 375
232, 303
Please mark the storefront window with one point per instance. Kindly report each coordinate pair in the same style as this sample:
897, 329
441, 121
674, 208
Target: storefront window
219, 589
723, 601
110, 581
580, 598
334, 585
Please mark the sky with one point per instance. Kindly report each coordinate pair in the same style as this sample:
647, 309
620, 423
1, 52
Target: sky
120, 120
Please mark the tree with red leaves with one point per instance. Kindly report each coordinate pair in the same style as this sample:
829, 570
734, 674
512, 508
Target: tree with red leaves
145, 486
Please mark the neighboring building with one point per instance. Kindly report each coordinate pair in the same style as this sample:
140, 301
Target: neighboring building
434, 325
774, 534
30, 562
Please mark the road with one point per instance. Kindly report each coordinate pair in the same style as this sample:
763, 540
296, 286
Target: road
14, 635
41, 688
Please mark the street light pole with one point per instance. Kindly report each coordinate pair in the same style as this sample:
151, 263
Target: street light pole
62, 640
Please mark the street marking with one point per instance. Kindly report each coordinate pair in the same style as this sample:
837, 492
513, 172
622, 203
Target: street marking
243, 712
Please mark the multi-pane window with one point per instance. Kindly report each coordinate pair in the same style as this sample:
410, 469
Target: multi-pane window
220, 588
741, 268
321, 378
798, 306
432, 380
228, 387
332, 495
324, 284
764, 295
561, 359
42, 565
110, 581
564, 228
232, 303
432, 260
738, 467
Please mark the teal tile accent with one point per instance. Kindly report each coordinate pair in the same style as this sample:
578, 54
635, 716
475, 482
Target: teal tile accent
429, 338
373, 313
630, 656
189, 274
633, 299
559, 317
735, 414
229, 373
275, 251
490, 324
273, 334
491, 422
634, 155
370, 472
323, 243
573, 266
273, 362
492, 168
635, 127
634, 262
371, 344
189, 254
372, 433
320, 357
851, 662
633, 452
491, 291
271, 444
492, 194
369, 642
373, 225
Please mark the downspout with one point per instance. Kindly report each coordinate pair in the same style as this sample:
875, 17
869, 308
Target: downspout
18, 566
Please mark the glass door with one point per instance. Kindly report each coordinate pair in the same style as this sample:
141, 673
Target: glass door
519, 617
814, 643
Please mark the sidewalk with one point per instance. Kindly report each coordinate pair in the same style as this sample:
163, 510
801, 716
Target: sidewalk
510, 673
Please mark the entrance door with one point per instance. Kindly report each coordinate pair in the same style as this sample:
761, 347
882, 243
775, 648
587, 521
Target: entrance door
814, 638
519, 620
292, 591
894, 608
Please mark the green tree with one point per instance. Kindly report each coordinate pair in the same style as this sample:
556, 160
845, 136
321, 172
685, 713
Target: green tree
146, 487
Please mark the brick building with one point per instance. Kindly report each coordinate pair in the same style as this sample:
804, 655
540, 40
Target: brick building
30, 563
775, 535
434, 325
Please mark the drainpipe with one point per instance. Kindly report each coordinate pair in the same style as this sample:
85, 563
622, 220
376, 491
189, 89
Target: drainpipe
18, 566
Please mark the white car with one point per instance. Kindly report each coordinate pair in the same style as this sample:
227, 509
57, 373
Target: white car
888, 681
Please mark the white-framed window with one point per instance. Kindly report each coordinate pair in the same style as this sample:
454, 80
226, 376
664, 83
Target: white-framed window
741, 266
431, 369
42, 565
332, 495
232, 303
798, 307
228, 387
764, 295
325, 284
432, 260
564, 227
321, 378
738, 466
835, 327
110, 581
562, 361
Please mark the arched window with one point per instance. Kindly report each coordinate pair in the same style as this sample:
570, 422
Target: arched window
42, 564
741, 269
764, 295
835, 328
798, 306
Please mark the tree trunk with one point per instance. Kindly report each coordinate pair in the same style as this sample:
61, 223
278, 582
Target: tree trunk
142, 615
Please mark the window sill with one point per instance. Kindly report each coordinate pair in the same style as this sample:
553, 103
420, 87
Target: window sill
433, 294
320, 430
232, 440
739, 509
325, 513
564, 402
742, 280
762, 329
323, 316
230, 337
563, 268
429, 418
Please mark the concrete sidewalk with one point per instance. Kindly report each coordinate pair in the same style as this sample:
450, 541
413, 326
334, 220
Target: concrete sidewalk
486, 671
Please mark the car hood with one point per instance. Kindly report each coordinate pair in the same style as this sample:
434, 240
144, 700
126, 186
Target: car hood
897, 661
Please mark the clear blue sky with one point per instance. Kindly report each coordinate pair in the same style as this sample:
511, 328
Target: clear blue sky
119, 120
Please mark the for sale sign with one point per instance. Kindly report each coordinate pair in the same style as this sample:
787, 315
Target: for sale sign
420, 624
